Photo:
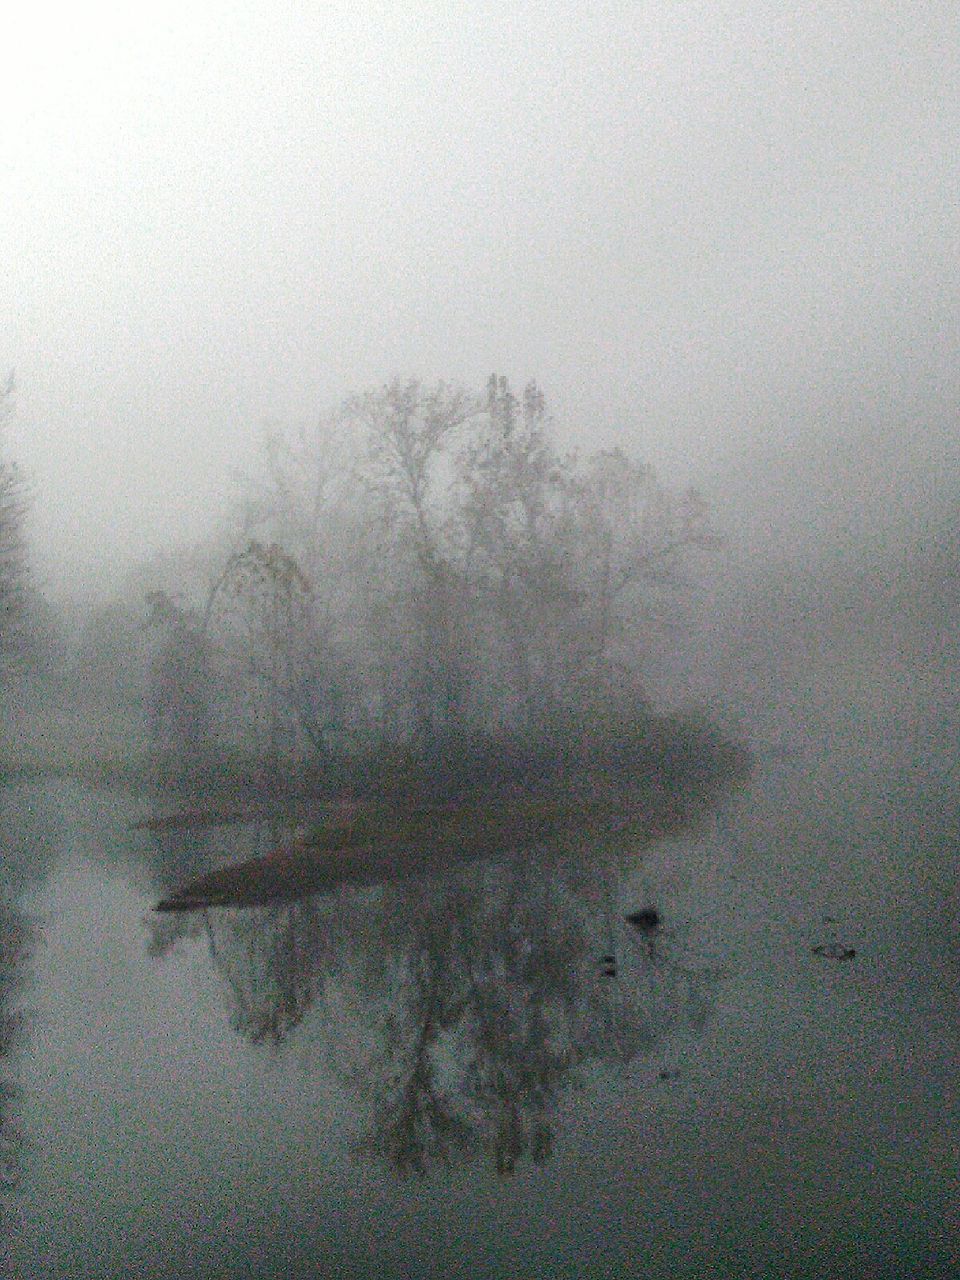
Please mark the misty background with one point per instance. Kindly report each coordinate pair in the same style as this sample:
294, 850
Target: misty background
723, 236
717, 238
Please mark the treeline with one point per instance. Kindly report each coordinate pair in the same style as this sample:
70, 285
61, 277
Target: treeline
13, 587
422, 564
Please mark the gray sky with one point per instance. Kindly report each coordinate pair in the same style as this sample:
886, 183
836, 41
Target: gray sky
699, 225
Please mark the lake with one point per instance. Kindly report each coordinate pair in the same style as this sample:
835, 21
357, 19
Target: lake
445, 1077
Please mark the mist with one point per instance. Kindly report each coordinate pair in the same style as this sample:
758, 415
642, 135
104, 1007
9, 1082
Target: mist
705, 233
479, 557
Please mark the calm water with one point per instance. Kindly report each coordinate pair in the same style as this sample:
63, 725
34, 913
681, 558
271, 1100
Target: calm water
436, 1078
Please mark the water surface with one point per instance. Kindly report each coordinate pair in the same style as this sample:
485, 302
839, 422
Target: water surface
437, 1077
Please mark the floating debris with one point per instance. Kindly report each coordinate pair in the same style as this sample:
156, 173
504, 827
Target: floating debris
608, 966
646, 920
834, 951
669, 1074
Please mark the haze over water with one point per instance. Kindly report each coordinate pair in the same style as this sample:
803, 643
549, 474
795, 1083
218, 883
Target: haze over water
721, 240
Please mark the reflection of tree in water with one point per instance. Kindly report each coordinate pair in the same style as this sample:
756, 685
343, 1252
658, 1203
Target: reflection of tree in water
14, 946
464, 1005
275, 961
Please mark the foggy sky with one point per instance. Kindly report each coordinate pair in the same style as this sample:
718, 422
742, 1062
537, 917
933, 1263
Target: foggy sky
703, 227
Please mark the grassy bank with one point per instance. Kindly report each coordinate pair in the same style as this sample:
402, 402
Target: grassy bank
661, 757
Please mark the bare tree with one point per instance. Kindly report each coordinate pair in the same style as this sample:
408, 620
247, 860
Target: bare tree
635, 536
289, 648
448, 570
516, 504
181, 682
410, 473
13, 564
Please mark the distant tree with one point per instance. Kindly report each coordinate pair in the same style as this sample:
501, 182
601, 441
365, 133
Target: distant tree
635, 536
473, 574
288, 647
13, 564
109, 663
411, 434
181, 692
43, 650
516, 506
15, 944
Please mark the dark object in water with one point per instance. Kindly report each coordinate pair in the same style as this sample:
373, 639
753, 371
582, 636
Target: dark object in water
646, 920
386, 845
608, 966
290, 872
834, 951
669, 1075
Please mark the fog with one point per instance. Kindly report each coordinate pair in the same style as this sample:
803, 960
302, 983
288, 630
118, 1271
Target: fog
710, 232
479, 554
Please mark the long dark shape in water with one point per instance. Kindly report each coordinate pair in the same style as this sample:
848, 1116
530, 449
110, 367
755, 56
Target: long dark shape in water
289, 872
427, 841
